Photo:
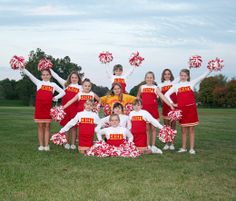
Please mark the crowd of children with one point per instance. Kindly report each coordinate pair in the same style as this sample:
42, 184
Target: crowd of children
138, 126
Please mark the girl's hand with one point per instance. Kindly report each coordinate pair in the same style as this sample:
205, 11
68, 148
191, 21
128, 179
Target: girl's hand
174, 105
55, 99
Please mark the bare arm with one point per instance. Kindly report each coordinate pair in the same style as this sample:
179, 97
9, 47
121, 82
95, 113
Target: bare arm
96, 97
153, 121
164, 98
71, 101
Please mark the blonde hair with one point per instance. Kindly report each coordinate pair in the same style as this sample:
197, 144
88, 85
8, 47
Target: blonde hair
187, 72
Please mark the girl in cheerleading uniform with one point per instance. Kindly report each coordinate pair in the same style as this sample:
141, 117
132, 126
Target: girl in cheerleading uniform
139, 119
167, 81
115, 95
115, 135
184, 91
83, 96
43, 104
86, 121
119, 110
118, 77
149, 93
72, 87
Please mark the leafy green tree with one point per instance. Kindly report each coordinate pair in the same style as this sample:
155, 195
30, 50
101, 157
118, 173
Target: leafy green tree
231, 93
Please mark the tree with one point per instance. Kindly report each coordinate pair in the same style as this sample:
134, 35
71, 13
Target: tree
134, 90
219, 98
8, 89
99, 90
231, 93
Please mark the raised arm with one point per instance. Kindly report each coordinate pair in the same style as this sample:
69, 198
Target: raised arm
31, 77
164, 98
200, 78
60, 91
129, 72
153, 121
108, 72
168, 94
71, 101
129, 135
70, 124
58, 78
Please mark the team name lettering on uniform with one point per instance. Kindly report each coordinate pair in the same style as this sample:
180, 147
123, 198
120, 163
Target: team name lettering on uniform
86, 120
137, 118
148, 90
119, 80
184, 89
166, 88
116, 137
86, 97
73, 89
47, 88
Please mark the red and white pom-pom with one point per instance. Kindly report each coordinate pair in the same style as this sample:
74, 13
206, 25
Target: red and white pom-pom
135, 59
175, 115
105, 57
17, 62
44, 64
195, 61
216, 64
128, 108
107, 110
167, 134
102, 149
58, 138
57, 113
96, 107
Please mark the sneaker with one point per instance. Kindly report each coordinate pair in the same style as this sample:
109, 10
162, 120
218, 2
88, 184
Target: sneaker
166, 147
172, 147
47, 148
73, 146
155, 150
192, 151
149, 147
67, 146
41, 148
181, 150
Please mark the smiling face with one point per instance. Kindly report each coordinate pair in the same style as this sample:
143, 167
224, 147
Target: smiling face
117, 110
184, 77
74, 79
118, 72
88, 106
114, 121
117, 90
87, 87
167, 75
149, 79
45, 75
137, 107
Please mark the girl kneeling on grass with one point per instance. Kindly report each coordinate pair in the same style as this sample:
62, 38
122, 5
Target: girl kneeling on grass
43, 104
86, 121
186, 102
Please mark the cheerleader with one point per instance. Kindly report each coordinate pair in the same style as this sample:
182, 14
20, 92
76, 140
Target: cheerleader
72, 87
119, 110
139, 119
184, 91
167, 81
43, 104
83, 96
86, 121
118, 77
149, 93
115, 135
116, 95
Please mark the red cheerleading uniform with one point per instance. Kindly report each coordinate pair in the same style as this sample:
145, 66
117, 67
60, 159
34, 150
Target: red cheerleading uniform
121, 81
149, 99
116, 139
71, 91
82, 97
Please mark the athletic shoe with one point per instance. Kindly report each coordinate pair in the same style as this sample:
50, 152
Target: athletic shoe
67, 146
149, 147
181, 150
172, 147
155, 150
73, 146
166, 147
192, 151
47, 148
41, 148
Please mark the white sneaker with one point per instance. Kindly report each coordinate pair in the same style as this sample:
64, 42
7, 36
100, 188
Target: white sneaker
41, 148
192, 151
149, 147
166, 147
172, 147
67, 146
155, 150
47, 148
181, 150
73, 146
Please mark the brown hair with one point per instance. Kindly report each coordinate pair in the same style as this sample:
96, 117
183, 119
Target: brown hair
137, 101
117, 67
118, 105
111, 93
114, 115
163, 73
187, 72
149, 72
68, 81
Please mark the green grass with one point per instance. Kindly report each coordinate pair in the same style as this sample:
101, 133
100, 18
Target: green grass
26, 174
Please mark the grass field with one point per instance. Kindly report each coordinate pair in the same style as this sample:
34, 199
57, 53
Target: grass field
26, 174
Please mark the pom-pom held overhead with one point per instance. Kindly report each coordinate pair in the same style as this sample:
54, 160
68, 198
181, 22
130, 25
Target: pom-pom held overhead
195, 61
105, 57
167, 134
175, 115
58, 138
17, 62
57, 113
135, 59
215, 65
44, 64
102, 149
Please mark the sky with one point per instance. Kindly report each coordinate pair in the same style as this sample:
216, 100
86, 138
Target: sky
166, 33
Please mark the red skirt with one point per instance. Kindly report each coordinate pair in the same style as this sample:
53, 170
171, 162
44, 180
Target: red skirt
152, 109
71, 111
85, 135
189, 116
